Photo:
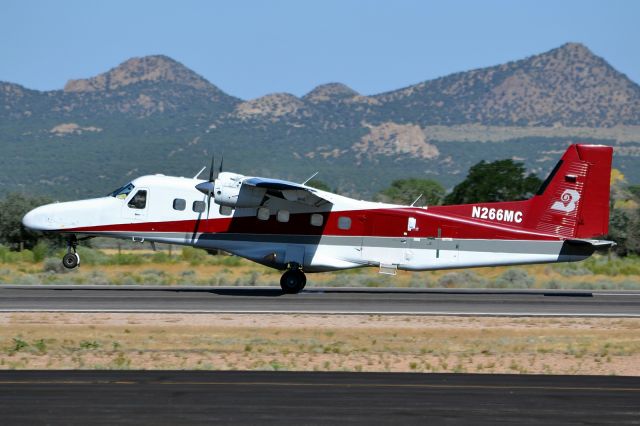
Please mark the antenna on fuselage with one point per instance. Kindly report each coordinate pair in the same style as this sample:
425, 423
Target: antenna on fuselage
309, 178
416, 200
200, 172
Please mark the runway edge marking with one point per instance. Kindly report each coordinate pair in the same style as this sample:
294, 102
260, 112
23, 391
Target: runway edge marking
294, 312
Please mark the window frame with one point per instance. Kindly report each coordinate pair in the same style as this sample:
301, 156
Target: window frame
317, 223
283, 216
135, 194
184, 204
198, 202
344, 223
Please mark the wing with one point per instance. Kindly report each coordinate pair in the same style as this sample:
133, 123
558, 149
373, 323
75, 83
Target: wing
289, 191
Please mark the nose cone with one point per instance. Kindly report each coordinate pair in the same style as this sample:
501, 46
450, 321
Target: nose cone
205, 187
38, 219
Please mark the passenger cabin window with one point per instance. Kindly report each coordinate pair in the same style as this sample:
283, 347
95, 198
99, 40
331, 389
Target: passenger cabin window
344, 223
138, 201
263, 213
199, 206
179, 204
283, 216
317, 219
226, 210
122, 192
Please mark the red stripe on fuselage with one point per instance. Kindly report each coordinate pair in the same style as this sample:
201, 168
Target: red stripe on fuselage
373, 223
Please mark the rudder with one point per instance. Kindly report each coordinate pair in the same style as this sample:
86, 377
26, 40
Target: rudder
574, 200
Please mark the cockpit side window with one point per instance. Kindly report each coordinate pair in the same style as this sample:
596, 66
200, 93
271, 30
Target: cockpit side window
122, 192
138, 201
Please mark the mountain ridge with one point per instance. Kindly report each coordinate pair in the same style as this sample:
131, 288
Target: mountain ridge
160, 115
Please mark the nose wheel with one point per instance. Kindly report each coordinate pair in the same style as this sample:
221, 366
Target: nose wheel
293, 280
71, 260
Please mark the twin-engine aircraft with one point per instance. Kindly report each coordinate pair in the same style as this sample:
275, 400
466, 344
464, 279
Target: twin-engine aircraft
296, 228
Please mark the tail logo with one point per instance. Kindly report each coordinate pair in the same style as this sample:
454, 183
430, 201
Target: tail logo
568, 201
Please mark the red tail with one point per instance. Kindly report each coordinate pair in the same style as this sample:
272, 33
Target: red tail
574, 200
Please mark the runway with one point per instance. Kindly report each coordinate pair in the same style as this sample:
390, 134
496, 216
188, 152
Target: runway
319, 301
195, 397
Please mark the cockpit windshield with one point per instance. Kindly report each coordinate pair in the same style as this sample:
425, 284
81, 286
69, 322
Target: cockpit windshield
121, 193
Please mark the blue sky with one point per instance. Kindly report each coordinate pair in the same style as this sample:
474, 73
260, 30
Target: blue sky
251, 48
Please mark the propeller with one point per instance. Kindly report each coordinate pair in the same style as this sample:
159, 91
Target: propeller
207, 187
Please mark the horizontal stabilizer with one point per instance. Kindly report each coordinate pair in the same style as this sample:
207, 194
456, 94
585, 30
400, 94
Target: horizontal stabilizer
596, 244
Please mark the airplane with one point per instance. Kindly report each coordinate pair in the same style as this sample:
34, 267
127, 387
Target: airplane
298, 229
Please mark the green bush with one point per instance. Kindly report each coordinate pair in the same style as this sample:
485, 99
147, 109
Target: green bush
193, 255
40, 251
8, 256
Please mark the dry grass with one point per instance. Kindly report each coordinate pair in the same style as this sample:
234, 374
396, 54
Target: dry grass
320, 342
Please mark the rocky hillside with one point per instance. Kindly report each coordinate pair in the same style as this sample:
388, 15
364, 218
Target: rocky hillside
568, 86
153, 114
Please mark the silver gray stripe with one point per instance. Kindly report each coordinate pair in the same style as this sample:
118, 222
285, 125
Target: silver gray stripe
471, 245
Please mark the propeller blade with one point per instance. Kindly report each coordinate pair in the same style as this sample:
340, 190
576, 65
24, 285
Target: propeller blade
208, 202
221, 161
211, 168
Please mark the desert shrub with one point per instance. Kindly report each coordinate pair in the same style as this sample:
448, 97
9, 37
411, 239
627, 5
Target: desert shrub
154, 276
27, 279
89, 256
53, 264
514, 278
630, 285
161, 257
228, 260
98, 278
125, 259
464, 279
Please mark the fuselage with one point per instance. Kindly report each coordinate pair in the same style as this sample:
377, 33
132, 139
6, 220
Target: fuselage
340, 233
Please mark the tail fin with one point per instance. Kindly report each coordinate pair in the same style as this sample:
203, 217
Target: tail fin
574, 200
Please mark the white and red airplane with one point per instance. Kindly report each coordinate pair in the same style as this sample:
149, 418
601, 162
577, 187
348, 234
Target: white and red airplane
297, 228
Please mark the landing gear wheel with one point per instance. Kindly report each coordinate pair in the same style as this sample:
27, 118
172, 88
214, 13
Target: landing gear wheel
293, 281
71, 260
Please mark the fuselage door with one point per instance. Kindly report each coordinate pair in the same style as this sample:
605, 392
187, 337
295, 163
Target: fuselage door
136, 206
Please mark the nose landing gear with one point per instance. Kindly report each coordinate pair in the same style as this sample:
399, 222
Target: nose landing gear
293, 280
71, 260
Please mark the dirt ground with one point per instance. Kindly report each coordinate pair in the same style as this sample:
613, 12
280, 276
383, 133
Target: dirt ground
320, 342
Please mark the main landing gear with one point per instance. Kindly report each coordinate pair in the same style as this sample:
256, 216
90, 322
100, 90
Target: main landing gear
71, 260
293, 280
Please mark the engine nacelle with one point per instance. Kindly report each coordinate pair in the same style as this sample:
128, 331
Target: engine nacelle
228, 191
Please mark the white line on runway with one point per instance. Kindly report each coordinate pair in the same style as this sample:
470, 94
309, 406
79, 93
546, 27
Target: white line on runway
290, 312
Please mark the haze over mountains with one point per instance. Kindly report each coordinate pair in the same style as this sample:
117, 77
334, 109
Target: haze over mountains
154, 115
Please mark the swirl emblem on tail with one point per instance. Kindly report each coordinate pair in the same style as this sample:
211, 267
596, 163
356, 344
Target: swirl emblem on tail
568, 201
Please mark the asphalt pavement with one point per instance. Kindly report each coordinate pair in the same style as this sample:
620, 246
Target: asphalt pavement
326, 301
197, 397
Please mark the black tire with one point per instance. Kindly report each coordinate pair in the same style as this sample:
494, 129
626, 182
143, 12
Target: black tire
293, 281
70, 260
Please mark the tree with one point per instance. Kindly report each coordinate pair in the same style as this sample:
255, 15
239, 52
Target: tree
318, 184
12, 208
624, 215
502, 180
405, 191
